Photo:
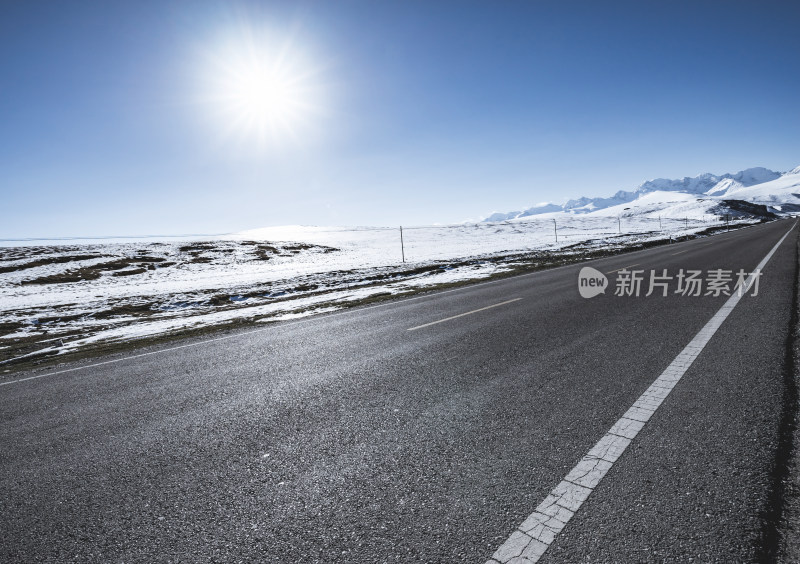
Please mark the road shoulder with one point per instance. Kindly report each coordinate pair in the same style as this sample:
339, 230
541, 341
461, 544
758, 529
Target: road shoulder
789, 526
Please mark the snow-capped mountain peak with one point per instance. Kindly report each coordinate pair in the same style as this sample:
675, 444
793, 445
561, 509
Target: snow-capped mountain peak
708, 183
758, 185
724, 186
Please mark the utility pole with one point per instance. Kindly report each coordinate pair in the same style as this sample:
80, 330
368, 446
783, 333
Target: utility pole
659, 224
555, 229
402, 246
619, 224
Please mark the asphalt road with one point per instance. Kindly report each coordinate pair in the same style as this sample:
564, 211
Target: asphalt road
350, 438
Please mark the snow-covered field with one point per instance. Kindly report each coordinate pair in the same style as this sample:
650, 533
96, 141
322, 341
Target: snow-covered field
60, 296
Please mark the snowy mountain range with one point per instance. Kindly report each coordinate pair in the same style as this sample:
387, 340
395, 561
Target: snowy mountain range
755, 191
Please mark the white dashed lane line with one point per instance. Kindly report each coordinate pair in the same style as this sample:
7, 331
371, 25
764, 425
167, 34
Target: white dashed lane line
535, 535
463, 314
623, 268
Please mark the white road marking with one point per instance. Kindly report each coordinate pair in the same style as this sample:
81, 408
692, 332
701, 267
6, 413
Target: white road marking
535, 535
623, 268
463, 314
698, 245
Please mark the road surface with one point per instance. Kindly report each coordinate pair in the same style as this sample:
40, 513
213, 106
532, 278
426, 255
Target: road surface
424, 429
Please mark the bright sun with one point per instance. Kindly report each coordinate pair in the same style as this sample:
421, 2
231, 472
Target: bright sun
263, 95
262, 98
261, 91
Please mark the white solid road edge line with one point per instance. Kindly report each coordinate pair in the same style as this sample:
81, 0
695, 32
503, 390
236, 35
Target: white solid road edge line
535, 535
463, 314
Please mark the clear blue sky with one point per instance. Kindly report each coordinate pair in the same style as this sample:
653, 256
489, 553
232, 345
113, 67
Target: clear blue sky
126, 118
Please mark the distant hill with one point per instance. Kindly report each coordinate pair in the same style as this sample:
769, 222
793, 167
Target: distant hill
755, 191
